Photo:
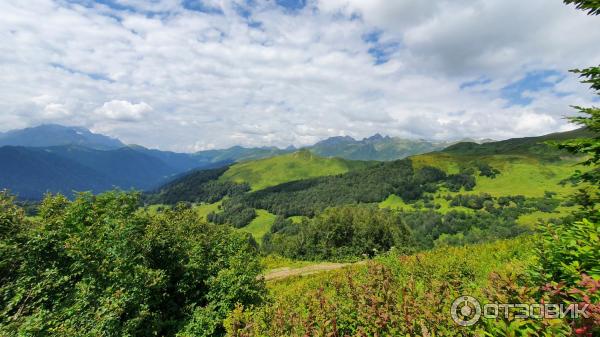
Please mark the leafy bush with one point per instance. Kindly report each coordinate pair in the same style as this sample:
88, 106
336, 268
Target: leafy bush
486, 170
99, 266
567, 251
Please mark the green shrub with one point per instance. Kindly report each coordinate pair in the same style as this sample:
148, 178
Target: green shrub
97, 266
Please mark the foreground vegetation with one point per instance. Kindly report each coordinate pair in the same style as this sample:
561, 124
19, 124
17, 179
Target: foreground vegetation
392, 295
97, 266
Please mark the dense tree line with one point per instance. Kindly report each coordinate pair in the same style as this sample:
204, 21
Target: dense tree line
473, 201
431, 228
98, 266
235, 213
311, 196
199, 186
347, 232
465, 179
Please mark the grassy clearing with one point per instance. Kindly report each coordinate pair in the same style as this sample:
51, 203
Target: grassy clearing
533, 218
204, 209
527, 177
297, 218
396, 203
294, 166
260, 225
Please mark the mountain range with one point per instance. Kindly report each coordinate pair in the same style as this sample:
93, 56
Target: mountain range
378, 147
56, 158
523, 161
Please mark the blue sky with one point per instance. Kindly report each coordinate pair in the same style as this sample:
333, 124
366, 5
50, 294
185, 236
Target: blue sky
188, 75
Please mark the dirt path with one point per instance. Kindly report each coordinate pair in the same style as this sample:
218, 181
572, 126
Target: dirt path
281, 273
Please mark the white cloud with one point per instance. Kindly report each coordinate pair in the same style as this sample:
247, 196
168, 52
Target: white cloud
55, 111
123, 111
167, 77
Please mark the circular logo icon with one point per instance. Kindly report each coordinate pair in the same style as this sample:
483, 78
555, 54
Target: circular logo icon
466, 311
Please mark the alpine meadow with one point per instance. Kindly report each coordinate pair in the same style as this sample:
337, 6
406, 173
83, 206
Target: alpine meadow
258, 168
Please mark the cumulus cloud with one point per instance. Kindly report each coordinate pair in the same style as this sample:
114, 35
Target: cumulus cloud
188, 75
123, 111
55, 111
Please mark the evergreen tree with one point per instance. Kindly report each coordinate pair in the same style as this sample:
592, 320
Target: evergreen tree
589, 117
592, 6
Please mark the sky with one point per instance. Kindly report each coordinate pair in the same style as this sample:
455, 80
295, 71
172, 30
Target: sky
191, 75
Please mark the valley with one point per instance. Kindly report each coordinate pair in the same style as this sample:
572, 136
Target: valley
331, 234
293, 168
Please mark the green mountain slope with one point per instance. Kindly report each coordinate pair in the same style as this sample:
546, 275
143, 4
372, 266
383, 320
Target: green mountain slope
528, 166
532, 146
299, 165
302, 183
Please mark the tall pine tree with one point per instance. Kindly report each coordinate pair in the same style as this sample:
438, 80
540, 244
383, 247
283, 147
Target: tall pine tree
588, 117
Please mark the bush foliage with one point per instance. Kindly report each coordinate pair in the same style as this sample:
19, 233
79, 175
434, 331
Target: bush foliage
97, 266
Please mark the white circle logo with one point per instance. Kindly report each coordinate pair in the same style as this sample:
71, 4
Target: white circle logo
466, 311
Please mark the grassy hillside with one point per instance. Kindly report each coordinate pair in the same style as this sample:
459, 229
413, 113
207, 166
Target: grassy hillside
532, 146
530, 167
289, 167
526, 175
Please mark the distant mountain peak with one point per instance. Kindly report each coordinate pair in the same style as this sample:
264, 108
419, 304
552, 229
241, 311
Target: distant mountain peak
45, 135
376, 138
336, 140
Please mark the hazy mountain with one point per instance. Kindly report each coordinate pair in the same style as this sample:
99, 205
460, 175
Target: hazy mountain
239, 153
126, 167
56, 135
182, 162
376, 147
30, 172
62, 159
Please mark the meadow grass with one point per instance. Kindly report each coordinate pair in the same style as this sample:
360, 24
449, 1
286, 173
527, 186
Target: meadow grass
289, 167
519, 174
260, 225
204, 209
